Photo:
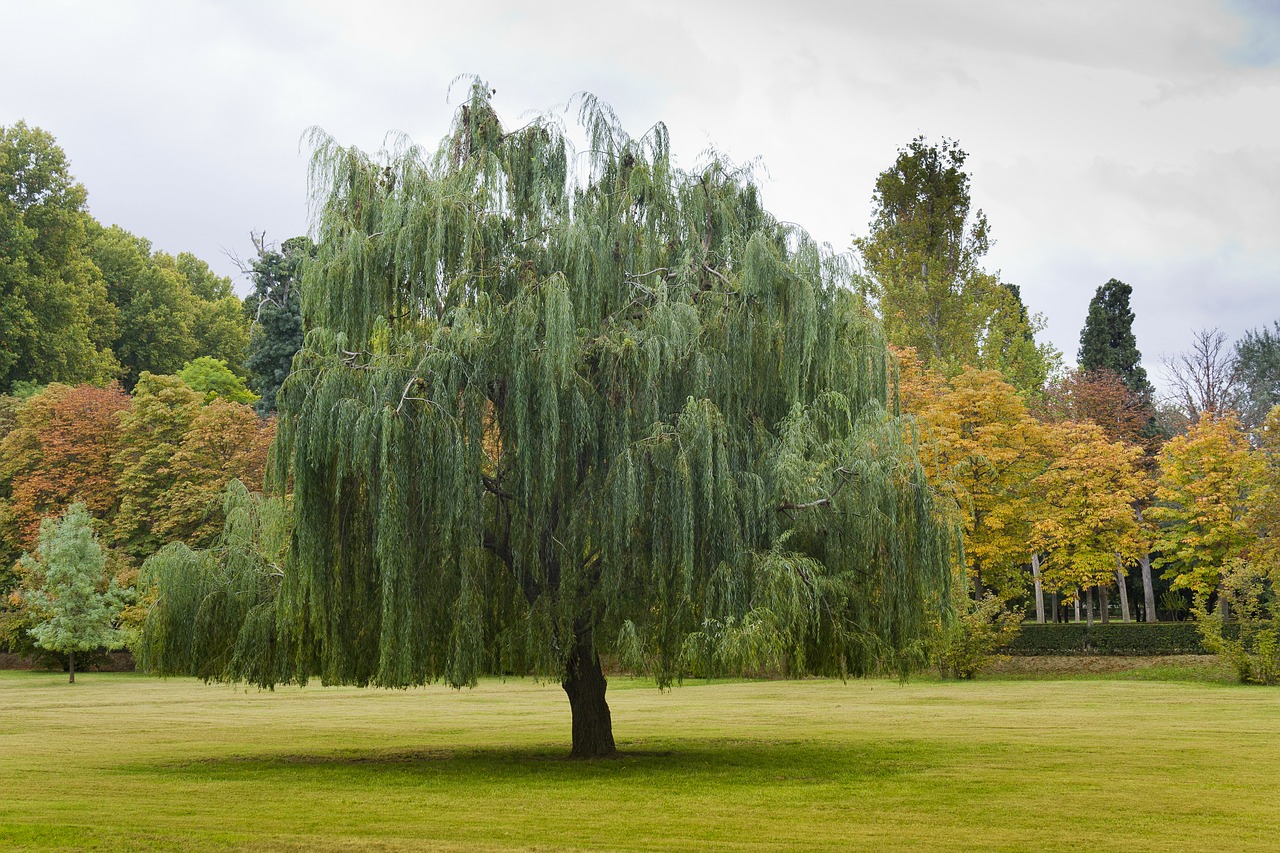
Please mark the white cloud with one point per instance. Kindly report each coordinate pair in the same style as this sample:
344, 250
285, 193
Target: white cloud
1133, 139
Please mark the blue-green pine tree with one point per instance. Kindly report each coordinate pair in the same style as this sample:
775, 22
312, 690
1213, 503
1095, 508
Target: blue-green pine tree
64, 586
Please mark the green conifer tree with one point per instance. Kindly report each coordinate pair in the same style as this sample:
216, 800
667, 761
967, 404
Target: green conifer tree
62, 587
1107, 341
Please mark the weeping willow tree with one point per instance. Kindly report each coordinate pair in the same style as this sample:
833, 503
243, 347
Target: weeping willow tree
553, 406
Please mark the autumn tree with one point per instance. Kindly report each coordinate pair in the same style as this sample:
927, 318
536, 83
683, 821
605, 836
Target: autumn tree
1202, 498
1101, 397
545, 415
63, 580
1085, 524
60, 451
151, 431
983, 449
225, 441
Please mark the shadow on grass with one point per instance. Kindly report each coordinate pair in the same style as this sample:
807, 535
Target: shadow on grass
718, 762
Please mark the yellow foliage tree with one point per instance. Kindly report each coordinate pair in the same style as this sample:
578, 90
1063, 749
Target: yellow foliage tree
1085, 525
982, 448
1202, 508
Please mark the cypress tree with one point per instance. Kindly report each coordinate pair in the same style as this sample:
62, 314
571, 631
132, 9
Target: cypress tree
1107, 341
552, 409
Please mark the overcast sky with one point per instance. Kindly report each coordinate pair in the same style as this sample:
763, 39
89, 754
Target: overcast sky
1137, 140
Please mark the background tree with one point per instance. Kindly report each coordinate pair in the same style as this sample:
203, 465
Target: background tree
151, 431
55, 320
1204, 378
1107, 341
277, 315
1257, 373
539, 419
211, 377
1099, 397
1085, 523
60, 451
922, 260
1202, 496
226, 441
171, 310
63, 580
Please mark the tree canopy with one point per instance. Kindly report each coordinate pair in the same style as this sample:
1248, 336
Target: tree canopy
80, 302
922, 260
552, 407
274, 305
1107, 341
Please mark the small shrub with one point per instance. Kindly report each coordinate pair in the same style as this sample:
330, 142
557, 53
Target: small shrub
1251, 643
968, 644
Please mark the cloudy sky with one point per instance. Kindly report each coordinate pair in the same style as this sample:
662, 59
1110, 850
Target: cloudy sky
1136, 140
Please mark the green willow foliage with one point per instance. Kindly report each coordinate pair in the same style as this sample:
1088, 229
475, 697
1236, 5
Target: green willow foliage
553, 405
214, 614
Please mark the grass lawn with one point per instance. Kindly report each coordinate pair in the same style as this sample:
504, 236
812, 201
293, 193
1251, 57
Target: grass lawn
126, 762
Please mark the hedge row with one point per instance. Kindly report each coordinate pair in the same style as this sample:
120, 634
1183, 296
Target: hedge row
1116, 638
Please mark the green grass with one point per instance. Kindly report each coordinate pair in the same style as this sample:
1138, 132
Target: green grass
127, 762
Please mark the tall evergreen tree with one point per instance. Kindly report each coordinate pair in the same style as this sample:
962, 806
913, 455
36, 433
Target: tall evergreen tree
543, 417
1107, 341
276, 313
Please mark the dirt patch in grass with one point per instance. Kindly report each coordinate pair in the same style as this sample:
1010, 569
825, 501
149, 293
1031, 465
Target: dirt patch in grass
1057, 665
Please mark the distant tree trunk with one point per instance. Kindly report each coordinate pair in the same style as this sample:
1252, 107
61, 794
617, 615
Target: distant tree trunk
1035, 573
585, 684
1088, 604
1077, 605
1104, 603
1057, 616
1148, 589
1124, 596
71, 664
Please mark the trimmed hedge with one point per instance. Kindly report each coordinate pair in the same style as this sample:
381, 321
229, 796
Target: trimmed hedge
1116, 638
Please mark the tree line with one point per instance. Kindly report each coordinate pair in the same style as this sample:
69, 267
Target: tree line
545, 415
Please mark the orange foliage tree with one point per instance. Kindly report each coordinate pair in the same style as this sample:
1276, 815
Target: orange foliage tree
1100, 397
226, 441
61, 450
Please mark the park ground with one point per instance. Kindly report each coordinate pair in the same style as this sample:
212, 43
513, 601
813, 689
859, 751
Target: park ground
1160, 756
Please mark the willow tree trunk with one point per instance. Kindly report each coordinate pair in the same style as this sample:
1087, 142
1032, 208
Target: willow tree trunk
71, 665
585, 685
1035, 573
